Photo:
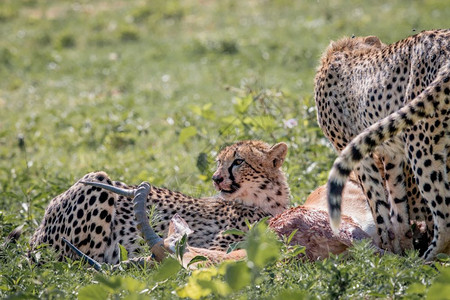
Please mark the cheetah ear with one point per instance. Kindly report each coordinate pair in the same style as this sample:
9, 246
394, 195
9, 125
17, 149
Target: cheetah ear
372, 40
277, 154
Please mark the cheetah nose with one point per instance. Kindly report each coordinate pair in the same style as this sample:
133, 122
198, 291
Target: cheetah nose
217, 179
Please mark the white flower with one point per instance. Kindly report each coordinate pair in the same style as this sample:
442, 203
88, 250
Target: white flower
291, 123
113, 56
165, 78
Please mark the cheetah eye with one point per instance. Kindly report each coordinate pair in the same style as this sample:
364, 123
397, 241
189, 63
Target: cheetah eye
238, 162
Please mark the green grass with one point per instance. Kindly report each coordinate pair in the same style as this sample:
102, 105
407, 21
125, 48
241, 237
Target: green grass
151, 90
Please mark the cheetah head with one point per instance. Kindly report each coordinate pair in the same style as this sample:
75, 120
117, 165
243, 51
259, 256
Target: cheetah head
250, 172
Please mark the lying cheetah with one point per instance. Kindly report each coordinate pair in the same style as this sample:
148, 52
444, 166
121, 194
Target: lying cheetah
251, 186
392, 100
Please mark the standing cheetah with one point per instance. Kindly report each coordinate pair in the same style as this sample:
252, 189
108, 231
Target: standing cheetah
251, 186
393, 101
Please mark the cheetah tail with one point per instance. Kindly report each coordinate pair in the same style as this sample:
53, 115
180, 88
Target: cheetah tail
13, 236
434, 97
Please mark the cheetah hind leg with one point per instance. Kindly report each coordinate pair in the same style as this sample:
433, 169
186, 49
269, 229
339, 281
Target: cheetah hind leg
153, 240
140, 195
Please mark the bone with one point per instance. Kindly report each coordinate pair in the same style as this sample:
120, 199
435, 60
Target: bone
97, 266
155, 242
177, 229
123, 192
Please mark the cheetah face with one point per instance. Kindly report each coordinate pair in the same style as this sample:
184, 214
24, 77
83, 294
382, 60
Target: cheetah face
224, 179
245, 167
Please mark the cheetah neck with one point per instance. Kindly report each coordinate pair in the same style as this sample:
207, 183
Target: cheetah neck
271, 196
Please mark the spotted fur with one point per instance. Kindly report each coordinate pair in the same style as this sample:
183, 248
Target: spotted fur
96, 221
391, 100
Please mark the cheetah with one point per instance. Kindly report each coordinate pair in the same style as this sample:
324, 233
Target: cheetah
250, 184
391, 101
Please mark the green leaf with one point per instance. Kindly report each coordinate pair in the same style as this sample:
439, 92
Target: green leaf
131, 284
108, 286
196, 109
263, 246
297, 250
293, 294
195, 288
192, 290
169, 267
263, 122
416, 288
233, 231
440, 288
443, 257
236, 246
110, 283
135, 296
186, 133
22, 296
123, 253
93, 292
242, 104
289, 239
238, 275
196, 259
202, 162
207, 112
217, 286
180, 247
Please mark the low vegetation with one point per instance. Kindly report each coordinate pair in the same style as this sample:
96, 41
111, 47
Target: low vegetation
151, 90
